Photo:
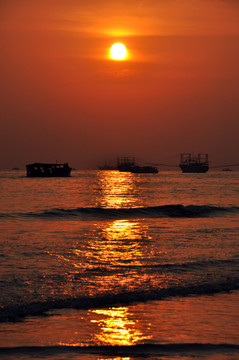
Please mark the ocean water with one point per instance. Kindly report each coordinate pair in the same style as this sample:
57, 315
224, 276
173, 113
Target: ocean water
119, 266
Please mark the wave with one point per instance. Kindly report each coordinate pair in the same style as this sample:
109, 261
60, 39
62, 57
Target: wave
88, 213
152, 268
143, 350
37, 308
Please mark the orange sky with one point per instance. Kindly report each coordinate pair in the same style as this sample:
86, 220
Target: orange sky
63, 99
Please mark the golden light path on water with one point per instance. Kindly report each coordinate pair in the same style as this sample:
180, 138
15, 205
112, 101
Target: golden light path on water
117, 327
115, 243
117, 190
114, 247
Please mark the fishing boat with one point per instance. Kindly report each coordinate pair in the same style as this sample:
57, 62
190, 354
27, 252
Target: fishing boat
48, 170
226, 169
127, 164
144, 170
190, 163
107, 167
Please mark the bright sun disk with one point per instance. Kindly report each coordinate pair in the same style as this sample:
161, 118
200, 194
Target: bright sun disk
118, 52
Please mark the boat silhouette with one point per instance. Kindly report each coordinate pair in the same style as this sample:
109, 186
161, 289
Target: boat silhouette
190, 163
48, 170
127, 164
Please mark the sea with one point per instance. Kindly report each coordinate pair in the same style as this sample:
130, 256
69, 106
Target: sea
107, 265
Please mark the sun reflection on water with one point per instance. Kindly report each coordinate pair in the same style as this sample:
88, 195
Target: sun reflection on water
116, 326
109, 260
117, 190
117, 243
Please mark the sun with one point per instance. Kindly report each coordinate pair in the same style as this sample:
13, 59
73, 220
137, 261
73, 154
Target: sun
118, 52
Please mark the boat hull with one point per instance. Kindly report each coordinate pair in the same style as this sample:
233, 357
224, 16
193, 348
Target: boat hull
194, 168
138, 169
144, 170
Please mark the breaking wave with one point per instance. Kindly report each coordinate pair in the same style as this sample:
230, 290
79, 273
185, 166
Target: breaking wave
88, 213
143, 350
37, 308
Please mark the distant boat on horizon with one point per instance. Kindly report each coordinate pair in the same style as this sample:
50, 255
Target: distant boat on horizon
48, 170
226, 169
127, 164
107, 167
190, 163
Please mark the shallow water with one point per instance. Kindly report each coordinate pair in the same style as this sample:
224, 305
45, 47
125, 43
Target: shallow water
109, 265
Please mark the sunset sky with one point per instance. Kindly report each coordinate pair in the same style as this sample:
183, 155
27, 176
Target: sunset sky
63, 98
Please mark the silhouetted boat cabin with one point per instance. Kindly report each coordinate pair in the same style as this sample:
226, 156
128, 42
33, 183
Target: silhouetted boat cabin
127, 164
48, 170
194, 163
